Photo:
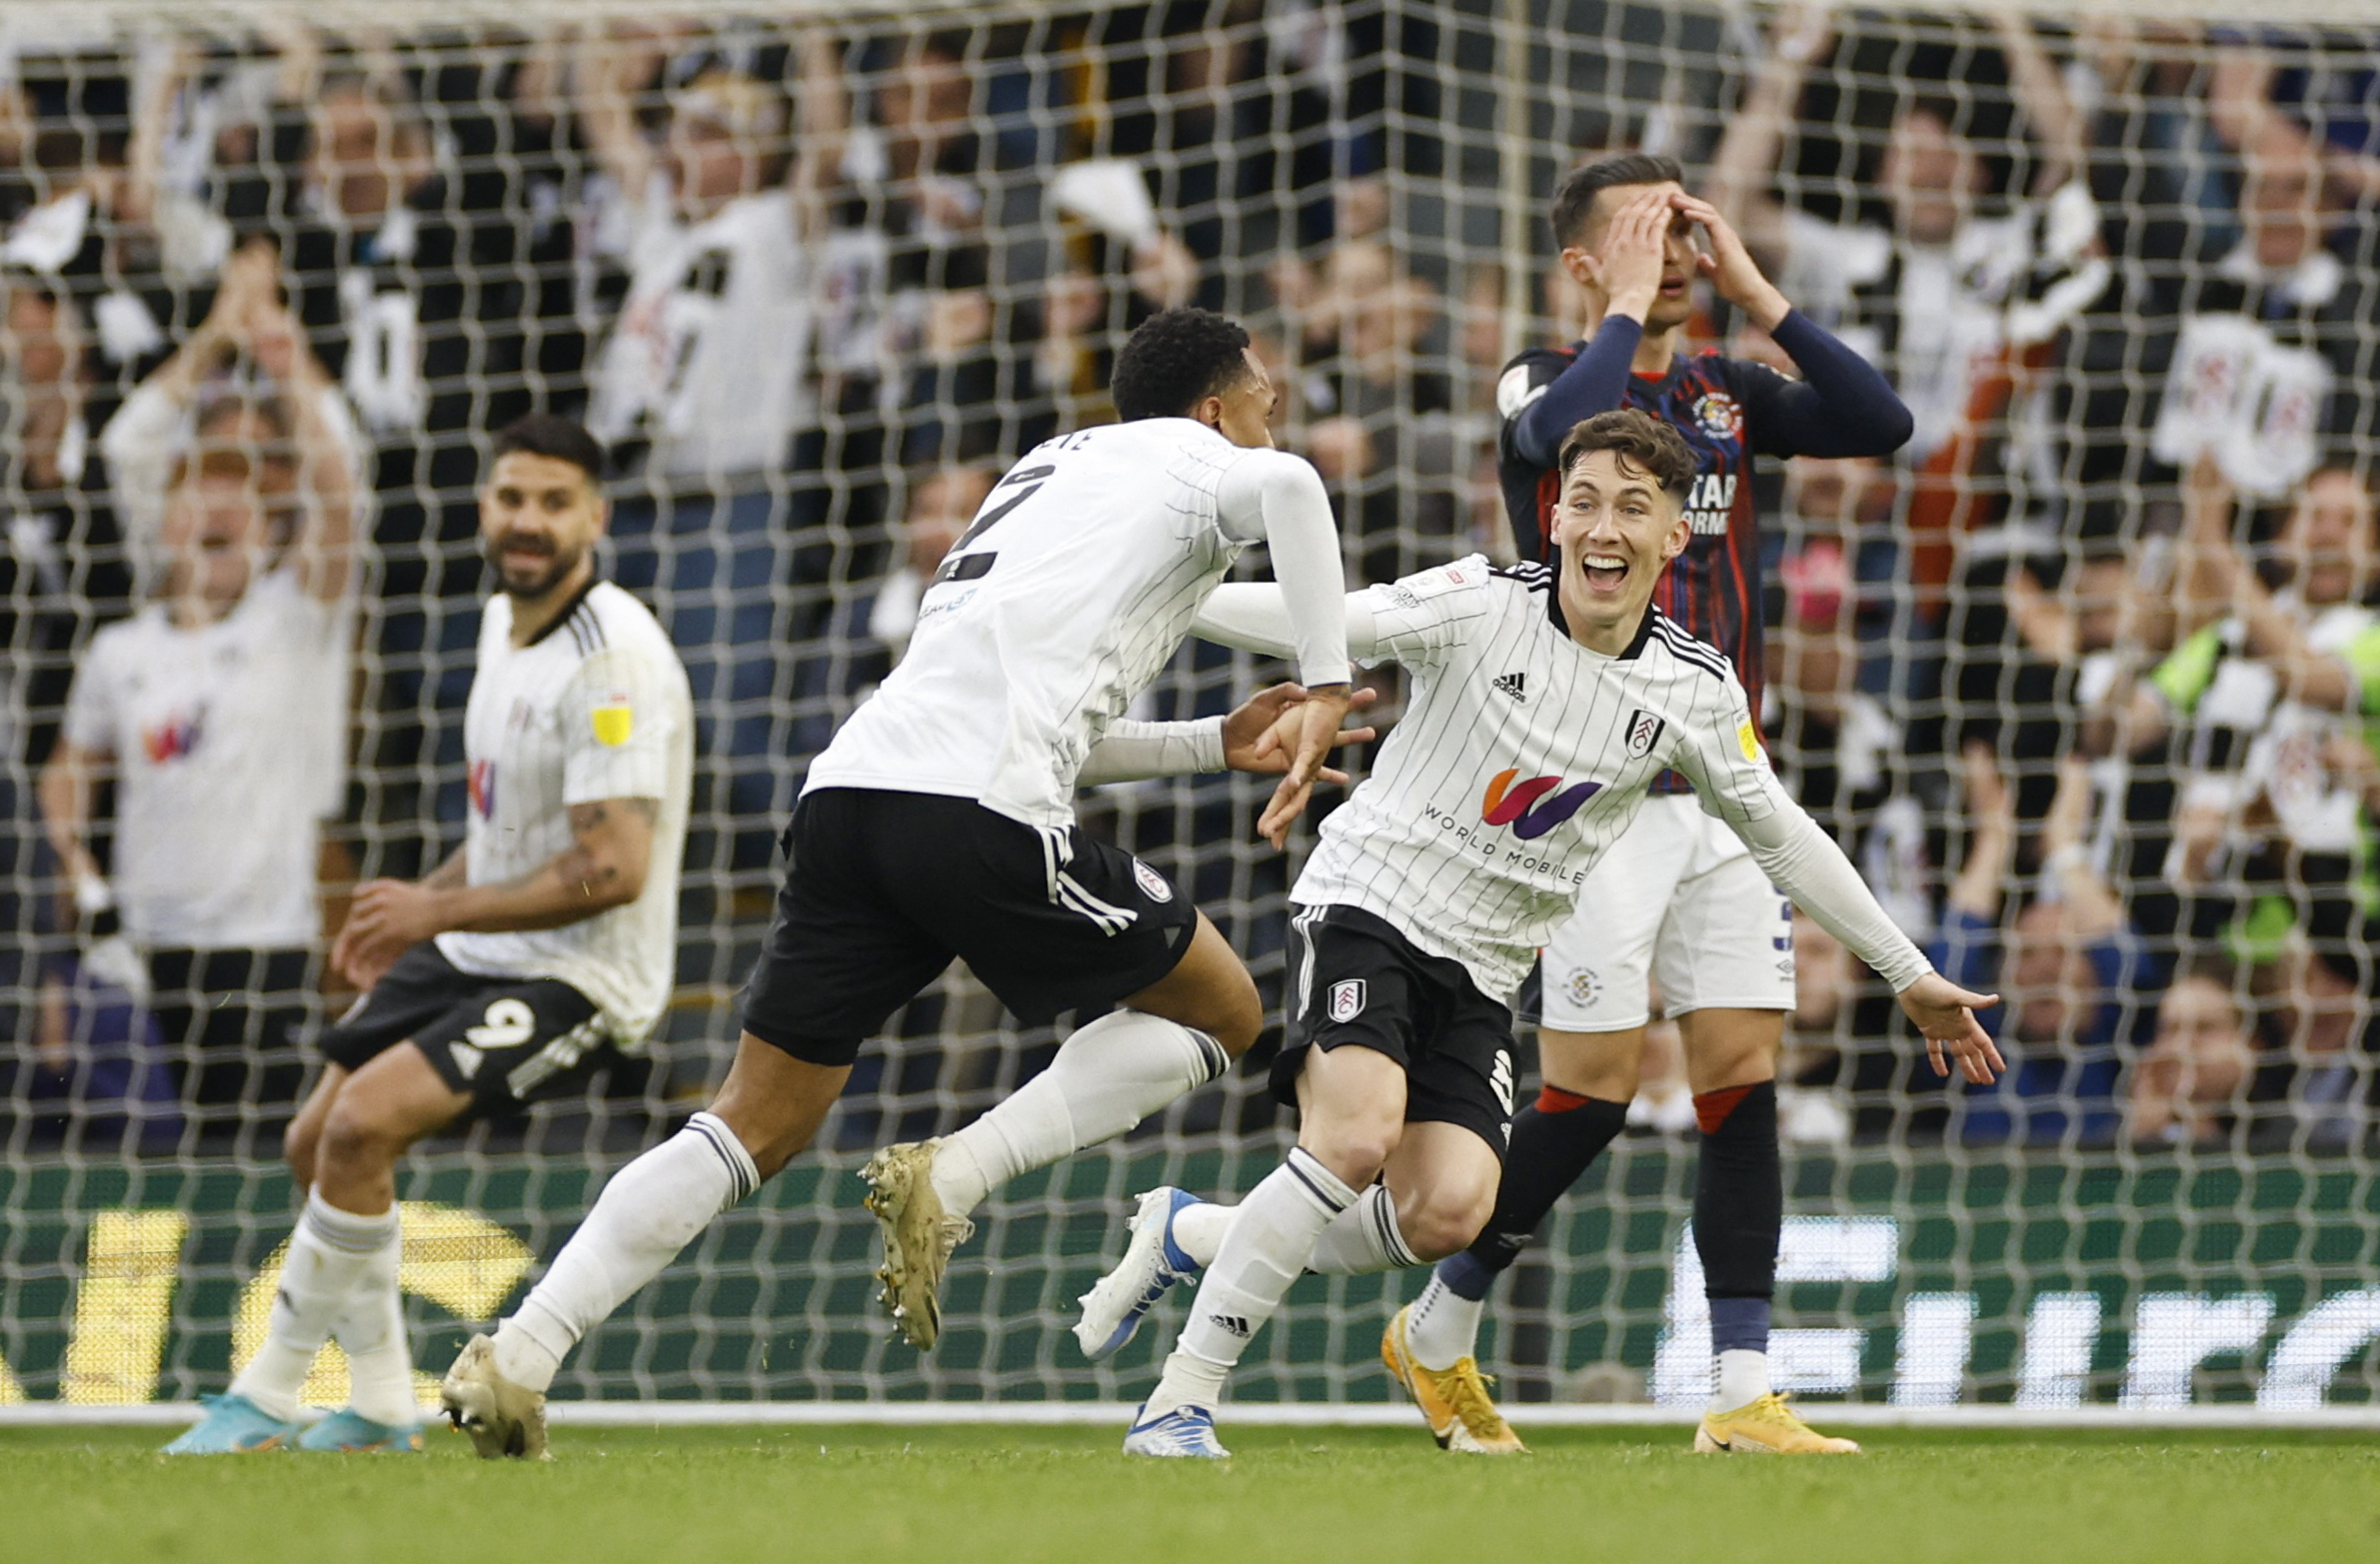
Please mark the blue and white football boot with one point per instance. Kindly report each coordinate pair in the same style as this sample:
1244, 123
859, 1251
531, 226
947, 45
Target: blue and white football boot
350, 1431
1152, 1264
234, 1425
1184, 1431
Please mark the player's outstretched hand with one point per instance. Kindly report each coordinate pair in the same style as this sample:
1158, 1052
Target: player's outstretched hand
1264, 733
1317, 723
1730, 266
387, 917
1945, 1013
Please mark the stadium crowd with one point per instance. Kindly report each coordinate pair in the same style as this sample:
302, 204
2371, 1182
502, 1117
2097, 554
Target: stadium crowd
2084, 678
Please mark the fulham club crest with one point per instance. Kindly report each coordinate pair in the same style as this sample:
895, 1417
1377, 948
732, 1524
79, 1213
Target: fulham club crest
1645, 731
1347, 1000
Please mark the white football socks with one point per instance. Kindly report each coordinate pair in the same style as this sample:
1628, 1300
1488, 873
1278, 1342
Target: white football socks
1106, 1077
1362, 1239
1269, 1243
1739, 1378
371, 1331
329, 1255
649, 1210
1443, 1327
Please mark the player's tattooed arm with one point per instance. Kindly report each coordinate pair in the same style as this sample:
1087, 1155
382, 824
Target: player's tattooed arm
603, 867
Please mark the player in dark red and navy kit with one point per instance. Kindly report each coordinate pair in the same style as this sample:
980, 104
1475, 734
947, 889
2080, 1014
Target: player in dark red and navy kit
1678, 901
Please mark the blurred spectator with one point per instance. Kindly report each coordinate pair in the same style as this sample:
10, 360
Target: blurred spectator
1947, 296
2277, 347
2194, 1075
62, 573
2326, 88
1809, 1105
195, 397
95, 1070
2069, 966
1123, 262
710, 368
220, 714
1374, 415
913, 170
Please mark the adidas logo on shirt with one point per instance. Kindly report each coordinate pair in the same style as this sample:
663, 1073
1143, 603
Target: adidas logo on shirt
1512, 684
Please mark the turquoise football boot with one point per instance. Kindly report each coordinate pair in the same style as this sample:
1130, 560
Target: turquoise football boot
234, 1425
348, 1430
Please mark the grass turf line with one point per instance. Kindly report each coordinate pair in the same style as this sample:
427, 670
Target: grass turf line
984, 1495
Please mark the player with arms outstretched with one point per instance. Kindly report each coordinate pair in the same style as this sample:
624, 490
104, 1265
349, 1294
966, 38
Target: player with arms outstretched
940, 823
512, 971
1677, 898
1546, 700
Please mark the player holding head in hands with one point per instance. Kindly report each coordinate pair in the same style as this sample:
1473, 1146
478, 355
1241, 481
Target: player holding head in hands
514, 970
940, 823
1679, 897
1545, 701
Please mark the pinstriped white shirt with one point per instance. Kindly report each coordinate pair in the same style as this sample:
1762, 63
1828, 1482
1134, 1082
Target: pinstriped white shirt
1069, 593
1522, 756
596, 708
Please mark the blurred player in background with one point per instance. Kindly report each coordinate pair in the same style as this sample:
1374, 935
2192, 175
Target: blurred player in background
1547, 703
1678, 897
516, 968
939, 824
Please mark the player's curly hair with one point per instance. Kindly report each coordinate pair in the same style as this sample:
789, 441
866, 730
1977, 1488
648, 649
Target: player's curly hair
1576, 196
1641, 441
1174, 361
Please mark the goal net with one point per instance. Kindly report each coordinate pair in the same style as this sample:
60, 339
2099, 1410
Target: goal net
2079, 677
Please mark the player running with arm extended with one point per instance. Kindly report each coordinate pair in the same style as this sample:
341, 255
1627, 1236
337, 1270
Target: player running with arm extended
1546, 700
1678, 897
940, 823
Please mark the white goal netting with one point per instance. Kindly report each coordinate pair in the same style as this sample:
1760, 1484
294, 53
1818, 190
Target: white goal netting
2080, 678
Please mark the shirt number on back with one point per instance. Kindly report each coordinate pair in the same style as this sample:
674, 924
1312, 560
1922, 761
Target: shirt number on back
1027, 480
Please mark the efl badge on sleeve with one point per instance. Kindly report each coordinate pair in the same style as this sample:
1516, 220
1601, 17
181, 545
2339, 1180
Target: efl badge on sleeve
1748, 739
1347, 1000
614, 720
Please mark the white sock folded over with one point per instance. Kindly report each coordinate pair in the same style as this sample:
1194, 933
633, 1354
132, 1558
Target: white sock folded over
652, 1209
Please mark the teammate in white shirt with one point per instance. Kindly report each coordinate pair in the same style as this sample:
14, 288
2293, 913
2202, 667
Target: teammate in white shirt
1546, 700
940, 823
517, 968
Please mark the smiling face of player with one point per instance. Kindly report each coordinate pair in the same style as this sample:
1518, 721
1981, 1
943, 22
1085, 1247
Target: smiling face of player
1617, 529
539, 520
1242, 410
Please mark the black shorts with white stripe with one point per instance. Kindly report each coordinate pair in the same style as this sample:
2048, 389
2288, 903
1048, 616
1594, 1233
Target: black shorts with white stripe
1355, 980
508, 1041
883, 888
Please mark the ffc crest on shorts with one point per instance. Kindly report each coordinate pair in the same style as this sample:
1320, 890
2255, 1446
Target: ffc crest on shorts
1152, 883
1645, 731
1347, 1000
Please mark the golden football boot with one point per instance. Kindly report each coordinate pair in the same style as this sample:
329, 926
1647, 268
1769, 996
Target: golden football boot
1766, 1428
1455, 1401
919, 1237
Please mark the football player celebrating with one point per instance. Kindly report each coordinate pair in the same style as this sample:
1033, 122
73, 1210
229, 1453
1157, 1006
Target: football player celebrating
1546, 702
1679, 897
940, 823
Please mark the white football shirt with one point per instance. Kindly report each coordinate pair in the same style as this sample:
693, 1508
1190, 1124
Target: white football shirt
1521, 756
228, 742
596, 708
711, 356
1067, 596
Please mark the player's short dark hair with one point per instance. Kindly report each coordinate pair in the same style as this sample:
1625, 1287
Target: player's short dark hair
1176, 360
1640, 440
1574, 197
550, 435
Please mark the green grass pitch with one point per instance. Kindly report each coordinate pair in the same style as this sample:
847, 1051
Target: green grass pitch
981, 1496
